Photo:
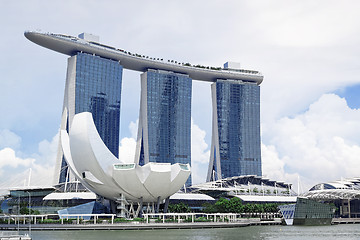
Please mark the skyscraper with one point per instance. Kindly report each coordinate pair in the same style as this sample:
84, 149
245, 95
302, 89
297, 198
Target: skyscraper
235, 145
164, 133
93, 84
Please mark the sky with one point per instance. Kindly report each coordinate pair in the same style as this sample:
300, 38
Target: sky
308, 52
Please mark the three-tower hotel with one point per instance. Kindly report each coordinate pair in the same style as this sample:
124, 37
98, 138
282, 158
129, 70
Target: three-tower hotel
93, 84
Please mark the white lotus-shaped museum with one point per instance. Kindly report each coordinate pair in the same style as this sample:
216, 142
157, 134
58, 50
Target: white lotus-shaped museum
101, 172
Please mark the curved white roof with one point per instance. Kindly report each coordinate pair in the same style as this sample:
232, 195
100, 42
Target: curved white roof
70, 195
108, 176
330, 194
70, 45
256, 198
347, 183
191, 196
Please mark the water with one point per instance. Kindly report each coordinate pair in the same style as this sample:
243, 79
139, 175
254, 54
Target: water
348, 232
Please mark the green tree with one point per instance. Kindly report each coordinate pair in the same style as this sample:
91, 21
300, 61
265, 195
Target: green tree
259, 208
25, 211
222, 205
208, 208
236, 205
179, 208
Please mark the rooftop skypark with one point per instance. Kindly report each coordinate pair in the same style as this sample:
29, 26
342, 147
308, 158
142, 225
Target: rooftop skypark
88, 43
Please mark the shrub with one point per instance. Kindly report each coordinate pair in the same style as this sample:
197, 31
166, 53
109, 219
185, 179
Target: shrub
138, 219
49, 221
202, 219
119, 220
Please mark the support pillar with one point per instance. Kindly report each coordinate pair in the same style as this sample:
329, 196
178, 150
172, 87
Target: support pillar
139, 211
167, 200
157, 205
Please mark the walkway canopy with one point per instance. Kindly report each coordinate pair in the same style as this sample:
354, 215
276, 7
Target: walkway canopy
332, 194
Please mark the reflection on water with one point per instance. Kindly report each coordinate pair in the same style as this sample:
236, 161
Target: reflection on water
349, 232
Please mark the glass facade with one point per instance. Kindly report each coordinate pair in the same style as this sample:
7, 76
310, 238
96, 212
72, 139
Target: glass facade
86, 208
306, 208
236, 130
165, 118
96, 85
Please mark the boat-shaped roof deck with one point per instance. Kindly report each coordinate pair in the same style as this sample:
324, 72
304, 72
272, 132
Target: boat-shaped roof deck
71, 45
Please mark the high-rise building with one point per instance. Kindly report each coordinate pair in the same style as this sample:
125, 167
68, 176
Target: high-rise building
164, 133
235, 145
93, 84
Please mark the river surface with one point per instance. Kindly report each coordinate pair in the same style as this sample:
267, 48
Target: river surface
345, 231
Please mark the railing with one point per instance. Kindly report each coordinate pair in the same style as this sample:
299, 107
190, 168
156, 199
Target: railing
147, 217
210, 217
172, 62
81, 216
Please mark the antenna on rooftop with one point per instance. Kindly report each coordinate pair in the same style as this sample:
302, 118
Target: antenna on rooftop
299, 186
29, 177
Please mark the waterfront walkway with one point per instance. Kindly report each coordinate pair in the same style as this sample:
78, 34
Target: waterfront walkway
346, 221
139, 225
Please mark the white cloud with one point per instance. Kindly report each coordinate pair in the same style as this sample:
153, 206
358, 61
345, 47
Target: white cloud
127, 150
47, 151
8, 158
199, 148
199, 154
320, 145
15, 170
306, 23
9, 139
272, 165
133, 127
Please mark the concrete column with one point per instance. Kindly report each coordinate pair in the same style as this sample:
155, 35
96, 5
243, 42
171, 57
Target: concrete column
157, 205
139, 211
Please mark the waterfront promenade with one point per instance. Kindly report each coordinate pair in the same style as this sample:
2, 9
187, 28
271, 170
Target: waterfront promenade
346, 221
139, 225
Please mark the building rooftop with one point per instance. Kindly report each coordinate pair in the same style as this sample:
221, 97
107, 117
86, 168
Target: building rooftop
191, 196
70, 195
71, 45
348, 188
347, 183
278, 199
244, 185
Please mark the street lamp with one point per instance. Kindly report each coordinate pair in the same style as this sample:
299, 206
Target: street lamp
29, 212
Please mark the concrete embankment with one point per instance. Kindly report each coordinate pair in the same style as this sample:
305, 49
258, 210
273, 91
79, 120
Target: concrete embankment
138, 226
